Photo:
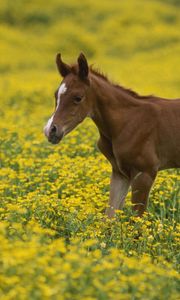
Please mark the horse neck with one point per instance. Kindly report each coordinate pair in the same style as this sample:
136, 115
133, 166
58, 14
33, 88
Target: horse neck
110, 106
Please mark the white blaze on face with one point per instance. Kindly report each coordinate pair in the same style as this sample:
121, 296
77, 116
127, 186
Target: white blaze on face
48, 126
62, 90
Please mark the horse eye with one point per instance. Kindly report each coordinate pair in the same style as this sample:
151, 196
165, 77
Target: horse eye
77, 99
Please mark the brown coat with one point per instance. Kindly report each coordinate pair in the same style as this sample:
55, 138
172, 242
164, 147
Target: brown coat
139, 135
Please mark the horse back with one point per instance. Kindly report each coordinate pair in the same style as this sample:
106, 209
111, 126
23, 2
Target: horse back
168, 133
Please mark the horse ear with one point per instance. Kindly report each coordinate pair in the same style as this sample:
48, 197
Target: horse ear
83, 67
63, 68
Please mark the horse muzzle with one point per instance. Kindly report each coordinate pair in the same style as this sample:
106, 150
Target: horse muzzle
55, 139
53, 134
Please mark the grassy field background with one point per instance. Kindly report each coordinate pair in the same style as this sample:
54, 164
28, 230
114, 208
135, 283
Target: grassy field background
54, 243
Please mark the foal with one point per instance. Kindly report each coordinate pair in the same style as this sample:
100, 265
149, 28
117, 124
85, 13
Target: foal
139, 135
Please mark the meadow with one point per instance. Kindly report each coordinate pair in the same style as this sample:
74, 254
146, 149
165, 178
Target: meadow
54, 242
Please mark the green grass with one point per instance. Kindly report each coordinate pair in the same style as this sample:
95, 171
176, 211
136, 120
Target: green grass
54, 241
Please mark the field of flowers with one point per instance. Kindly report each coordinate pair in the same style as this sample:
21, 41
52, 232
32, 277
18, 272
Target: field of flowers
54, 242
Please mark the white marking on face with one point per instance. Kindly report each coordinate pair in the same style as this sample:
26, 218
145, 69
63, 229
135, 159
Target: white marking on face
62, 90
48, 126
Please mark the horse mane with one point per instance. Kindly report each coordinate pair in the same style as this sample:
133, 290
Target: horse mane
98, 73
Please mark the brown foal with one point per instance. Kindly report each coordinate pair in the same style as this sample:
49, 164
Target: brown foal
139, 135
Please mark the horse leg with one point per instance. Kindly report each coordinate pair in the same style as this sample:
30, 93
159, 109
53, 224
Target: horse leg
119, 184
141, 185
118, 190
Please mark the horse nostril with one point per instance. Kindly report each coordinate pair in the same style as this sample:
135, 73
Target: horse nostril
53, 129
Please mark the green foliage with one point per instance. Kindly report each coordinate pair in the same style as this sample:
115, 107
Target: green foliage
54, 240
